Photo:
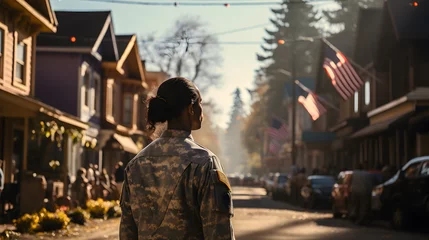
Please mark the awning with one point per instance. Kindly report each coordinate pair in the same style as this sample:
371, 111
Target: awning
378, 127
317, 137
127, 143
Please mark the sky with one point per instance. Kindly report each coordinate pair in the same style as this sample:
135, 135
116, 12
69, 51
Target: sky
239, 61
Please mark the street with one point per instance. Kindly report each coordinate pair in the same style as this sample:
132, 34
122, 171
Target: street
259, 217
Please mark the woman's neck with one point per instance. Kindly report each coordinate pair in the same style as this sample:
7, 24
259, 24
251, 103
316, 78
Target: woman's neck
176, 125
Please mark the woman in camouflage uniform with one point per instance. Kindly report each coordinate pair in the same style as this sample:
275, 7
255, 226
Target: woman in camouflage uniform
175, 188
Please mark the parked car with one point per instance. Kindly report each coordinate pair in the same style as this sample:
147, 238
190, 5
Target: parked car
234, 179
247, 180
269, 183
279, 186
405, 196
342, 201
317, 191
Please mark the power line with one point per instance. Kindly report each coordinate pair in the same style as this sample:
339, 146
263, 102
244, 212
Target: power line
210, 4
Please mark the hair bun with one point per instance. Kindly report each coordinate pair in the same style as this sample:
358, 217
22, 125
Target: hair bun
159, 111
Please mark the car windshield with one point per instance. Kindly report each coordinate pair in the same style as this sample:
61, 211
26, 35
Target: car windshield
323, 182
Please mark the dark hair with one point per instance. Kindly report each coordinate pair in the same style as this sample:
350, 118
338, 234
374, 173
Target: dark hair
173, 96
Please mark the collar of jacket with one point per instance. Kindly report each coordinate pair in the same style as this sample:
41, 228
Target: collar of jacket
171, 133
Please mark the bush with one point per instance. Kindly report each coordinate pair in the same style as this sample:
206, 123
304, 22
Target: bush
114, 210
78, 216
9, 234
27, 223
53, 221
98, 208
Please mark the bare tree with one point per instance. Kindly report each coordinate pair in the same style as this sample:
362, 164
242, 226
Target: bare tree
186, 50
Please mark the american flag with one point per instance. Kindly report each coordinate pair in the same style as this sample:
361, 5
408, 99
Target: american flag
343, 76
312, 105
278, 130
274, 146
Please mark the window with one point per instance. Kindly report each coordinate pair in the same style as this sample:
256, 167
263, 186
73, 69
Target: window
128, 109
109, 98
367, 93
356, 102
86, 86
425, 169
21, 55
96, 93
1, 51
412, 171
114, 97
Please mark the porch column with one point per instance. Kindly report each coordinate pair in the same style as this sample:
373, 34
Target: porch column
391, 151
25, 147
8, 149
398, 157
380, 150
405, 158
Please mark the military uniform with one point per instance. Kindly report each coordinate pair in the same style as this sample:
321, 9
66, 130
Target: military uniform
176, 189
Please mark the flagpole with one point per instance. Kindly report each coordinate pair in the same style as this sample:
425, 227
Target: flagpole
318, 97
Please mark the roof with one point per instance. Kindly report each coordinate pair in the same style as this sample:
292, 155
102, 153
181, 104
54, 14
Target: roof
122, 42
39, 12
415, 160
368, 31
409, 21
89, 29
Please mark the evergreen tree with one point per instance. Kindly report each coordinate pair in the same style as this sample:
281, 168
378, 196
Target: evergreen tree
346, 16
291, 21
234, 147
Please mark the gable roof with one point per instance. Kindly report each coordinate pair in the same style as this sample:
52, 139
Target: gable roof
91, 31
368, 32
409, 21
39, 11
129, 55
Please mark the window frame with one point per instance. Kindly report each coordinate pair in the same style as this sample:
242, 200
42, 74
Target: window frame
356, 102
109, 99
367, 95
21, 63
87, 87
125, 111
96, 80
3, 31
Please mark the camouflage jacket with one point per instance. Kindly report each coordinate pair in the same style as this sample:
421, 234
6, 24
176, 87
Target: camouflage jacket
176, 189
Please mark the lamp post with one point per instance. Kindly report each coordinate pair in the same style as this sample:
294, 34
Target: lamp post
294, 98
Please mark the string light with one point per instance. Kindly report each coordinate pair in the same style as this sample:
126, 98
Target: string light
73, 39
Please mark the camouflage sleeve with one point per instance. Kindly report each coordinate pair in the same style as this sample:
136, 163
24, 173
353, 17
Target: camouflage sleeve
216, 208
128, 227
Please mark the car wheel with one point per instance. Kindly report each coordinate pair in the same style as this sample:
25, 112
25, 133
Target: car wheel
335, 213
399, 219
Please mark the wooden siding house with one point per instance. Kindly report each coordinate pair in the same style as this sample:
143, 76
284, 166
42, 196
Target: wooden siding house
25, 122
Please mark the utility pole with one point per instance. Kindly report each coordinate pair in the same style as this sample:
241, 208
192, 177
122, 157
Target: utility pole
293, 45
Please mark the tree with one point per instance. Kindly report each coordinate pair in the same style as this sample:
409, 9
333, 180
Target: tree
234, 150
186, 50
291, 21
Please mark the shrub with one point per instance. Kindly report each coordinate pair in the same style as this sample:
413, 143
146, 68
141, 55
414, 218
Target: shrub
98, 208
78, 216
53, 221
114, 210
9, 234
27, 223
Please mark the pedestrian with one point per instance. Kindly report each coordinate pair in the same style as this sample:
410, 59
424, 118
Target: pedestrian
119, 176
175, 188
105, 185
81, 189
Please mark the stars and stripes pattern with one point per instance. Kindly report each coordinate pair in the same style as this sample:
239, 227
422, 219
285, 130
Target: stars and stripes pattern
274, 146
312, 105
343, 76
278, 130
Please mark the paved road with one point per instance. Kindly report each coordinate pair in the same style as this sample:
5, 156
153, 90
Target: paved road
259, 217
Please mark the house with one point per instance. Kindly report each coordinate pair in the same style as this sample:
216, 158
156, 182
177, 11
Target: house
124, 103
25, 122
398, 121
102, 81
385, 122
